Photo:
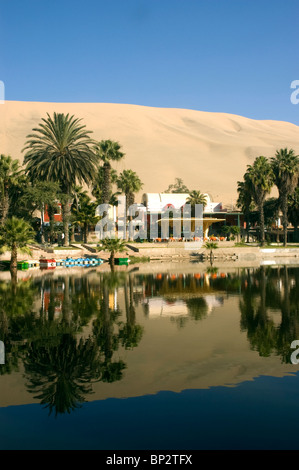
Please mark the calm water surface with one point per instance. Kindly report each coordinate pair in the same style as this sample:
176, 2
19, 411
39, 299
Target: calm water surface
185, 358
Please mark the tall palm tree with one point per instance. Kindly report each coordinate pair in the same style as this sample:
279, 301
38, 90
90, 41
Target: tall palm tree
107, 151
244, 201
77, 194
196, 197
260, 179
98, 187
16, 234
129, 183
293, 212
285, 166
10, 176
60, 150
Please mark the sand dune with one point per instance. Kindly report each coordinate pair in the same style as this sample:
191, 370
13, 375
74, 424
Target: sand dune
209, 151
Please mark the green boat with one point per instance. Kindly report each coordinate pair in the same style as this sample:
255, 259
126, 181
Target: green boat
5, 264
121, 261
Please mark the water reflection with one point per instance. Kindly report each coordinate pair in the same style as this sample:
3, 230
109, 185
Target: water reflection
267, 291
68, 332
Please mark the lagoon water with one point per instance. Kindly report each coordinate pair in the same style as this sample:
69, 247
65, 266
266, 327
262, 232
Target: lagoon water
188, 357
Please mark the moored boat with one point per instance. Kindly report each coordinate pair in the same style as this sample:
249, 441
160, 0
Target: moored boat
47, 263
121, 261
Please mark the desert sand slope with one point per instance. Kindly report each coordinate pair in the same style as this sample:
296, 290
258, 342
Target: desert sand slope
209, 151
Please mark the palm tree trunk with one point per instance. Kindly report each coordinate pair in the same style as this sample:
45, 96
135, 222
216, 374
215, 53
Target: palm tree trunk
85, 233
14, 257
66, 213
130, 199
4, 208
52, 222
284, 208
246, 217
112, 260
262, 222
72, 238
107, 183
106, 189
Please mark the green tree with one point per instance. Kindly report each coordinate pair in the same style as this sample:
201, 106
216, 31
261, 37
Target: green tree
177, 187
285, 166
60, 150
260, 178
293, 212
16, 234
113, 245
84, 215
244, 201
98, 187
42, 196
129, 183
10, 177
108, 151
211, 246
196, 197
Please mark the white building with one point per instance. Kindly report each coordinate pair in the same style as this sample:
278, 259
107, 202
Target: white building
156, 202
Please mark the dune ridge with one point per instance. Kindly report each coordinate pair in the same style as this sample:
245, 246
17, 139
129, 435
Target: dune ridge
209, 151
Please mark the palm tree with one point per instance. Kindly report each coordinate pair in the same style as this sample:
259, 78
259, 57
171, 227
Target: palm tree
10, 176
61, 372
60, 150
77, 194
293, 212
285, 166
42, 196
16, 234
84, 215
99, 184
259, 177
244, 201
129, 183
196, 197
107, 151
113, 245
211, 246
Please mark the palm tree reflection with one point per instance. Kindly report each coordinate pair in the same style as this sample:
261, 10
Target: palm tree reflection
60, 373
267, 292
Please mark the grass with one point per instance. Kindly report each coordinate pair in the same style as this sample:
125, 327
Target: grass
65, 248
266, 245
141, 259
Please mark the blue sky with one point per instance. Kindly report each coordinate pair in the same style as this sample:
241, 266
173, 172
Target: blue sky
234, 56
